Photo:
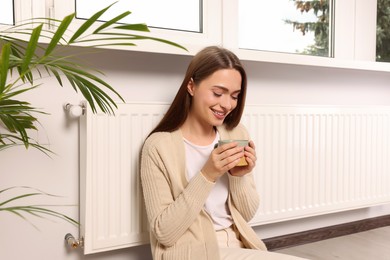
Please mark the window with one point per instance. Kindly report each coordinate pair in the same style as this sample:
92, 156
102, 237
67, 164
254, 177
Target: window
291, 26
196, 23
172, 14
342, 31
7, 12
350, 35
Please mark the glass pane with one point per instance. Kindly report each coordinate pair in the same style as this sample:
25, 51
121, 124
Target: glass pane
167, 14
383, 31
285, 26
7, 12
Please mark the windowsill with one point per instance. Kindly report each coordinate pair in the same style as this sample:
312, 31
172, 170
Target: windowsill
307, 60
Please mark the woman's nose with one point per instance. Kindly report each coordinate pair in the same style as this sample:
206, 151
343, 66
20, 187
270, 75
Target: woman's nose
226, 103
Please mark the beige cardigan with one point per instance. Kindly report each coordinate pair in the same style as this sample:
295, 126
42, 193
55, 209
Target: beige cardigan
180, 228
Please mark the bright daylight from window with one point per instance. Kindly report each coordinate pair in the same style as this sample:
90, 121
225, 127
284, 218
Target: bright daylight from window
155, 13
7, 12
285, 26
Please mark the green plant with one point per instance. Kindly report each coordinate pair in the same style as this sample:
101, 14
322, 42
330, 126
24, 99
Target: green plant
34, 210
23, 63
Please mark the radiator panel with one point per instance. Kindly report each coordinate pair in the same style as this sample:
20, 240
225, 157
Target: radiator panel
311, 160
318, 160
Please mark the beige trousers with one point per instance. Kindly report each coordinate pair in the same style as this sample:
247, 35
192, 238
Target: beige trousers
231, 248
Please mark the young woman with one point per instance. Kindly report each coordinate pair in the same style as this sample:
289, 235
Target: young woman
198, 202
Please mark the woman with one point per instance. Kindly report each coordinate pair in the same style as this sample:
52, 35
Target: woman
198, 202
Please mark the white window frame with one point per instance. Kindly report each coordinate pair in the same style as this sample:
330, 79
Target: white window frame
355, 33
193, 41
4, 12
22, 10
355, 38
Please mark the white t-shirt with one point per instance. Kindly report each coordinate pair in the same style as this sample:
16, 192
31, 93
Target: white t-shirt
216, 203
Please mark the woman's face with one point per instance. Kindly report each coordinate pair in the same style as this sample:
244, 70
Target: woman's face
215, 97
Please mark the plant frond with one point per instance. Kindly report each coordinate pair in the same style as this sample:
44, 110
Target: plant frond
87, 24
111, 22
4, 65
31, 47
27, 61
35, 210
58, 35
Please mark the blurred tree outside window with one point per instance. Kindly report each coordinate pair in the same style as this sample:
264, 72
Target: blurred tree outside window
291, 26
383, 31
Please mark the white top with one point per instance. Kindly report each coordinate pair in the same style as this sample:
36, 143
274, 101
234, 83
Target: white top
216, 203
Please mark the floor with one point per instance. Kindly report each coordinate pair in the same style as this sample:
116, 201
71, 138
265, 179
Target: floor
369, 245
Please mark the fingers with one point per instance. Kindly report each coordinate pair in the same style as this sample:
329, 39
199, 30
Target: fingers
220, 149
250, 153
226, 157
229, 154
222, 159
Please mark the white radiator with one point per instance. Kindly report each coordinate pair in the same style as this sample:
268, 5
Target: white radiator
312, 161
318, 160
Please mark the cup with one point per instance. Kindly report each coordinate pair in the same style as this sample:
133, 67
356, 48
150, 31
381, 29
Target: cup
241, 143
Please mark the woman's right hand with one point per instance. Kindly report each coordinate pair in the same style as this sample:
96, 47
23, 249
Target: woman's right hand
221, 160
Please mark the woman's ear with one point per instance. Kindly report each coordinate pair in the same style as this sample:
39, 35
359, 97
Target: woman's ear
190, 87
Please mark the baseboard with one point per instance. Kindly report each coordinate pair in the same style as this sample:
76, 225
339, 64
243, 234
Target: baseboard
309, 236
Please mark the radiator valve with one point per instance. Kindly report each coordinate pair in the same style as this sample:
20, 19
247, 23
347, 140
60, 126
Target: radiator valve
72, 242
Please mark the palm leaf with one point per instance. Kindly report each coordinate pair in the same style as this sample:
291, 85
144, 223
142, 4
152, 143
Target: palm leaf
4, 65
23, 57
134, 27
84, 81
35, 210
17, 119
11, 93
9, 140
27, 61
125, 37
30, 50
112, 21
19, 197
59, 34
87, 24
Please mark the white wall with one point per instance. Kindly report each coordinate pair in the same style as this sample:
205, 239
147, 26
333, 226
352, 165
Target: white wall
156, 77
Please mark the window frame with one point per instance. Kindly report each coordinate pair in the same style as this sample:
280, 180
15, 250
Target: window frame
5, 23
355, 33
21, 13
354, 38
193, 41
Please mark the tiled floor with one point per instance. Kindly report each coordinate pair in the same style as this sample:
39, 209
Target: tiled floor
369, 245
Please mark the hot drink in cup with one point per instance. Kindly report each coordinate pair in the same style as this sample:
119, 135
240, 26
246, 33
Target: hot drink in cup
241, 143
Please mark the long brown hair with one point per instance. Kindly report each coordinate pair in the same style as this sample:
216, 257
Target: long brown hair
203, 64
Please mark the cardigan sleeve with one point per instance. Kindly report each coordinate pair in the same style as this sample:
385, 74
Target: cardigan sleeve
244, 195
243, 191
169, 216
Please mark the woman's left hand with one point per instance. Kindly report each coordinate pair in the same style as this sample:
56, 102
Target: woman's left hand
250, 157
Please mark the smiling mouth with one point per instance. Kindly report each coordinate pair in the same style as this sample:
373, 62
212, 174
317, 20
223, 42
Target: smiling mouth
219, 114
